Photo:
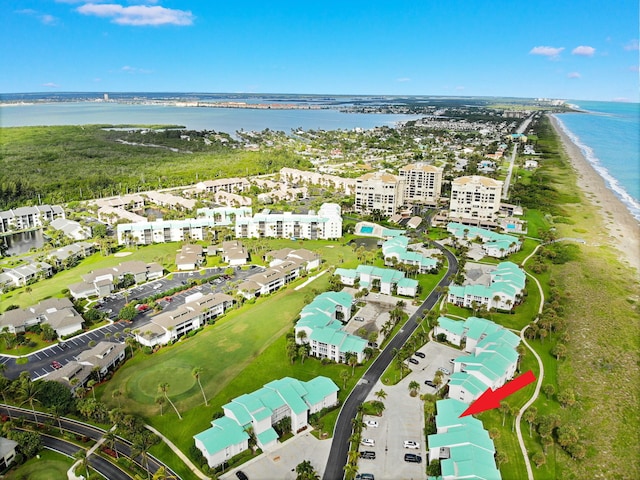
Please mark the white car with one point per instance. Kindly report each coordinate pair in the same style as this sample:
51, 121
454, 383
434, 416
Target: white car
371, 423
411, 444
368, 442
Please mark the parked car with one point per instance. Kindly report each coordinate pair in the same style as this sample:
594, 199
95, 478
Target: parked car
411, 444
452, 360
412, 458
368, 442
444, 370
365, 476
414, 361
241, 475
368, 454
359, 319
56, 365
371, 423
430, 383
420, 354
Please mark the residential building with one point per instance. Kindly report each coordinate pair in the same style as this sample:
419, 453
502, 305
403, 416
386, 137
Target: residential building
395, 251
102, 282
98, 361
197, 310
326, 224
379, 192
25, 218
322, 322
234, 253
277, 257
190, 257
259, 411
422, 183
111, 215
68, 253
475, 198
292, 175
7, 452
58, 313
496, 245
504, 291
230, 185
461, 444
131, 202
169, 200
493, 360
388, 281
24, 274
71, 228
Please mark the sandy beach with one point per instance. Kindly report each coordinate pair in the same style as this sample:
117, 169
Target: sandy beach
622, 230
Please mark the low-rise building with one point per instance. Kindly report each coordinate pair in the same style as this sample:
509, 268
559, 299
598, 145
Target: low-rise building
276, 257
504, 291
72, 252
326, 224
396, 251
496, 245
386, 280
230, 185
58, 313
195, 313
26, 218
71, 228
25, 274
234, 253
7, 452
189, 257
102, 282
322, 322
259, 411
461, 444
169, 200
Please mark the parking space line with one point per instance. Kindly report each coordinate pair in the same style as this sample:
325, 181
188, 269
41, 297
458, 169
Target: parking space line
45, 352
36, 355
74, 342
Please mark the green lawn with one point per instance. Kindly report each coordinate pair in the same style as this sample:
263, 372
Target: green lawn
50, 466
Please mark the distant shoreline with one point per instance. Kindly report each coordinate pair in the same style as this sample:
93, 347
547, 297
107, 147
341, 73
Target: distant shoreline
623, 228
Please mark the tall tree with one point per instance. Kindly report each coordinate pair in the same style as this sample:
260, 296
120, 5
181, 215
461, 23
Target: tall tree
164, 388
196, 372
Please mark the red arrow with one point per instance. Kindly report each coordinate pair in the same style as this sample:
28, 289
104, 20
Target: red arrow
491, 398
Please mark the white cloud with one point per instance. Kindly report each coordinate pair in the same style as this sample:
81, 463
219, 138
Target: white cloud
551, 52
573, 75
138, 15
43, 17
583, 50
632, 45
403, 80
129, 69
51, 85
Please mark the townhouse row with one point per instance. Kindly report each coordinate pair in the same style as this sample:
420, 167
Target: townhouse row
58, 313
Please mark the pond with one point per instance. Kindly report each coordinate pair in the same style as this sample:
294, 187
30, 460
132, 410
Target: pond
19, 243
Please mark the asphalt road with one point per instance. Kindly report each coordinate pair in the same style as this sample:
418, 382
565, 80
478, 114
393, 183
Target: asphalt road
334, 469
94, 433
104, 467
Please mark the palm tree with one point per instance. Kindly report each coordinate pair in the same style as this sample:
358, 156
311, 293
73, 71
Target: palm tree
160, 400
164, 388
90, 385
56, 412
530, 416
305, 471
81, 456
381, 394
28, 391
162, 474
111, 441
117, 394
196, 373
4, 388
414, 387
344, 375
353, 361
141, 446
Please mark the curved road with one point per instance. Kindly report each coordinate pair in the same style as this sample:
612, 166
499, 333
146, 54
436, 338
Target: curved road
334, 469
94, 433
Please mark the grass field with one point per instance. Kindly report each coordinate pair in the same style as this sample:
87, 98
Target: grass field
50, 466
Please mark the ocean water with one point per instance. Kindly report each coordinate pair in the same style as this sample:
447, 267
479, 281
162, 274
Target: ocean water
609, 138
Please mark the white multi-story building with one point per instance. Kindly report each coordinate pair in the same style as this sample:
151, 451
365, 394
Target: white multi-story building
423, 183
25, 218
379, 191
326, 224
475, 198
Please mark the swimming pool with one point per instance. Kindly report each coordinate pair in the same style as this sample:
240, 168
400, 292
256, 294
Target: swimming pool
366, 229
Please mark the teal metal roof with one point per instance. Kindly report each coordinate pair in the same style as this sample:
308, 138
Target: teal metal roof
477, 326
454, 326
346, 272
467, 382
407, 283
318, 388
449, 411
470, 462
239, 412
463, 435
268, 436
224, 433
288, 390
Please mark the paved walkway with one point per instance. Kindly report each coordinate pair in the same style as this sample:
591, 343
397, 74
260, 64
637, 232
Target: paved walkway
71, 472
179, 453
310, 280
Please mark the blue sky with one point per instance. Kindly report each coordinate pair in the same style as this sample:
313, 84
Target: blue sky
573, 49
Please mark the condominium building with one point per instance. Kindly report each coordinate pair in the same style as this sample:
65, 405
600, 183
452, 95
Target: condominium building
423, 183
379, 191
326, 224
475, 198
25, 218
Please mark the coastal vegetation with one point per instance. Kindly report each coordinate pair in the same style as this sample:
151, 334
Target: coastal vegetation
66, 163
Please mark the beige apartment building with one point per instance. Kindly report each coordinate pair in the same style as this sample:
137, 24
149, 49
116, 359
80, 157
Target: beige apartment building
475, 198
379, 191
423, 183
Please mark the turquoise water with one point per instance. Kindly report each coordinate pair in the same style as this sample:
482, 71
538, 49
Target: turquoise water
609, 138
366, 229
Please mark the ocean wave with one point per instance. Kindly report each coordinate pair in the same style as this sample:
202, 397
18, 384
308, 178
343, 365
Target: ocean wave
611, 182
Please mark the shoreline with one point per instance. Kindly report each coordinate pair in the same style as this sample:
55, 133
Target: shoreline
622, 229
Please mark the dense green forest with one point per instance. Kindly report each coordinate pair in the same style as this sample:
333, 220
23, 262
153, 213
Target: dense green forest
66, 163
